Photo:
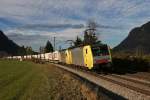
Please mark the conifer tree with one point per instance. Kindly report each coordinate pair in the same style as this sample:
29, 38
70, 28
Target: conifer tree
48, 47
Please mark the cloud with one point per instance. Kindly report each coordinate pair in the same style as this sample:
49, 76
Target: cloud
49, 26
67, 18
37, 39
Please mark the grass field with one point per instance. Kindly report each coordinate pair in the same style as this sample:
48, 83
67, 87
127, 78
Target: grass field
30, 81
20, 80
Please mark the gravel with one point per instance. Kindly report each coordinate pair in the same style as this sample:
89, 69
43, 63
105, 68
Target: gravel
110, 86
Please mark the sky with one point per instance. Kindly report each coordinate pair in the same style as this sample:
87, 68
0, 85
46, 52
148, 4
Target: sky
33, 22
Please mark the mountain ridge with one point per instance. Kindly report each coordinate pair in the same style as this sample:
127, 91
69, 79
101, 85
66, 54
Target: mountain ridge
8, 46
138, 39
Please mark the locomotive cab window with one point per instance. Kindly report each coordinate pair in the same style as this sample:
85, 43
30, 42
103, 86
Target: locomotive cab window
100, 50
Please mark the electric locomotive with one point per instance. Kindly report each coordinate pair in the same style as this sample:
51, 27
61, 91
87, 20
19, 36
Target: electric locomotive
101, 56
89, 56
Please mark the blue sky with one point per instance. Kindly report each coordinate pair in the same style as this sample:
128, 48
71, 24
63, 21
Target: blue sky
33, 22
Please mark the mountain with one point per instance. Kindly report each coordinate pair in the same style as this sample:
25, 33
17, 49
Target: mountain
137, 40
7, 46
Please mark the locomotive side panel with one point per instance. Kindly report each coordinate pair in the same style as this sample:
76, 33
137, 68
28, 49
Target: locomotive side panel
77, 56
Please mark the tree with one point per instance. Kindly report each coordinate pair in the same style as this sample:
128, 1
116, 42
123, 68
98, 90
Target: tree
78, 41
91, 24
29, 50
90, 34
48, 47
22, 51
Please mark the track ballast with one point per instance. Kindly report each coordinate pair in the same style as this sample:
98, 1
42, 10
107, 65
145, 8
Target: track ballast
128, 88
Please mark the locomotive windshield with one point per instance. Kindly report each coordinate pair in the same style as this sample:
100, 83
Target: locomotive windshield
100, 50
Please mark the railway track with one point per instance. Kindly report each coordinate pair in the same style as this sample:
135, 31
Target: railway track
141, 86
133, 79
126, 87
141, 76
131, 84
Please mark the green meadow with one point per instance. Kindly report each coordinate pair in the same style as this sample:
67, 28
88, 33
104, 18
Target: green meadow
29, 81
21, 80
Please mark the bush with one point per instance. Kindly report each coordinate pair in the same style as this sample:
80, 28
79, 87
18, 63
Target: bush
130, 65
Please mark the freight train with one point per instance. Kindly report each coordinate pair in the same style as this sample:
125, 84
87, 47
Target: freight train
89, 56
